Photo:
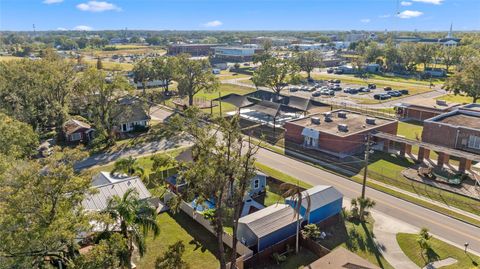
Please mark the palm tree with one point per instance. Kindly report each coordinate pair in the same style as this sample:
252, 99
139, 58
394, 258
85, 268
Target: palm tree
133, 214
128, 166
360, 207
295, 193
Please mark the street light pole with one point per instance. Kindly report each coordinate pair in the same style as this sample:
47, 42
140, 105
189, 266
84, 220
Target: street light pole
365, 167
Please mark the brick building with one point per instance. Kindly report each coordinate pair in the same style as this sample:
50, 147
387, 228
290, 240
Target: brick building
192, 49
422, 109
458, 129
340, 132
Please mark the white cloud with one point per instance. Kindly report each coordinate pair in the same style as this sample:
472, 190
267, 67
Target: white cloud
96, 6
82, 28
62, 29
365, 20
405, 3
48, 2
215, 23
407, 14
435, 2
384, 16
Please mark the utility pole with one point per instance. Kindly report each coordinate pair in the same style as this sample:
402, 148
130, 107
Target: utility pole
365, 168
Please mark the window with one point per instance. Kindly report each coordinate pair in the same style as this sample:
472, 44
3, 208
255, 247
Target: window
474, 142
75, 136
256, 184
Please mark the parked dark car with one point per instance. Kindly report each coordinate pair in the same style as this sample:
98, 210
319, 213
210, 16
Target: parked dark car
404, 91
338, 71
310, 80
330, 70
351, 90
337, 88
372, 86
387, 88
363, 89
336, 81
381, 96
316, 93
394, 93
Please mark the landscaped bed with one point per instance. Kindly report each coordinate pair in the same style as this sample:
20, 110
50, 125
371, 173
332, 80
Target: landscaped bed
439, 251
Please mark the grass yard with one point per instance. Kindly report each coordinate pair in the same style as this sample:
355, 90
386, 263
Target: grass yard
111, 66
10, 58
200, 245
358, 238
439, 251
225, 75
281, 176
298, 261
461, 99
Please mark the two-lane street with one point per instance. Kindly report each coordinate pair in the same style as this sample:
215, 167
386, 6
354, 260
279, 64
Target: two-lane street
440, 225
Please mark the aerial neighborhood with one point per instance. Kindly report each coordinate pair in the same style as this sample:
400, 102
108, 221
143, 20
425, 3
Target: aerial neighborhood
226, 148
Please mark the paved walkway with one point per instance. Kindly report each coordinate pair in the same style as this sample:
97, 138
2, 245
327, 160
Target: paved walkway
385, 230
438, 264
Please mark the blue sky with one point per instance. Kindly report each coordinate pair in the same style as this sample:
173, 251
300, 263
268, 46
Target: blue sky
240, 14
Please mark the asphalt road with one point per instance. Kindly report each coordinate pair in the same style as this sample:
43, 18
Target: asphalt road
439, 225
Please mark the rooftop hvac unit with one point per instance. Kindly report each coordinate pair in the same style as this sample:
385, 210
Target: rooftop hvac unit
343, 128
441, 102
328, 116
315, 120
370, 121
342, 114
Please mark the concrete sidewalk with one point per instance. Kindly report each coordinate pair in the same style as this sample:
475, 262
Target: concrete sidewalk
385, 230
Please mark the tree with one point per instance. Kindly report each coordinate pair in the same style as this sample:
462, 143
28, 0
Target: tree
407, 54
18, 140
423, 240
106, 254
393, 59
38, 92
41, 210
133, 214
102, 97
308, 61
295, 193
163, 68
275, 73
99, 64
143, 72
194, 76
222, 170
424, 54
172, 258
128, 166
466, 80
311, 231
451, 56
372, 52
360, 207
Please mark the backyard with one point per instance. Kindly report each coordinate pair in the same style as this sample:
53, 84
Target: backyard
439, 251
200, 245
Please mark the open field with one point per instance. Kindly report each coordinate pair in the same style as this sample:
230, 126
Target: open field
461, 99
9, 58
124, 50
200, 245
439, 251
111, 66
226, 75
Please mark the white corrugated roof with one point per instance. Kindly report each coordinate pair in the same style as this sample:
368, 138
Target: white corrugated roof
103, 178
269, 219
99, 200
320, 195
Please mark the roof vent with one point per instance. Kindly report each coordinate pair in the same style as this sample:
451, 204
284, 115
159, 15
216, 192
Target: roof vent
328, 116
343, 128
370, 121
342, 114
441, 102
315, 120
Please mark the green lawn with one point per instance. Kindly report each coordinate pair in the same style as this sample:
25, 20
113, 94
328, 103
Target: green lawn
358, 238
439, 251
200, 245
281, 176
296, 261
461, 99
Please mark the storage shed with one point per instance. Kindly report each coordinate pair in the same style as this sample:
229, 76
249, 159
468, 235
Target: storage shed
267, 226
326, 201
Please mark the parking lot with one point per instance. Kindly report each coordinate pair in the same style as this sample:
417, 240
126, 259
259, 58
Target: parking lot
345, 92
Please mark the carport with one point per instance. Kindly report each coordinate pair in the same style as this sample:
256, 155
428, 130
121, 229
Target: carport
237, 100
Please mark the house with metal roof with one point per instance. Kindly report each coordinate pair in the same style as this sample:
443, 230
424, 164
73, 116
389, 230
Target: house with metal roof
108, 186
267, 226
325, 202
